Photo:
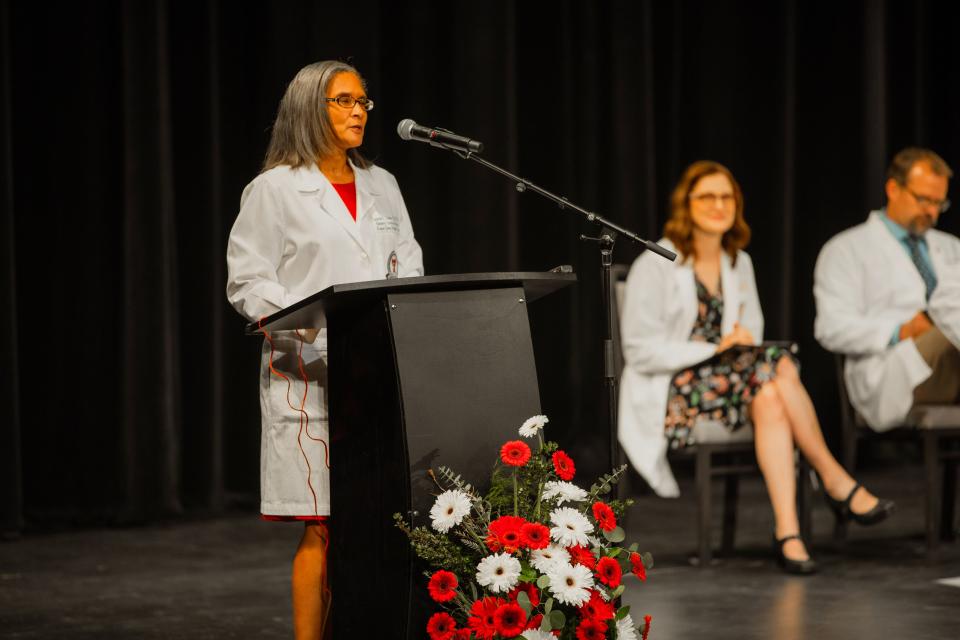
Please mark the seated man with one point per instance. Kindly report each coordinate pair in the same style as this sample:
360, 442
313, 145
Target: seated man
888, 296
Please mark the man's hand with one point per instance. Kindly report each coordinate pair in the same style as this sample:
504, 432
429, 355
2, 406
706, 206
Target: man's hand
739, 335
916, 327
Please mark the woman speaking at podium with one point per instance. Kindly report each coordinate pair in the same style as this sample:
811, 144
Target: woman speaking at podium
690, 330
318, 214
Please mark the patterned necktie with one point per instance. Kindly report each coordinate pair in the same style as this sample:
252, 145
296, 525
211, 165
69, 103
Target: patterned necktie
926, 272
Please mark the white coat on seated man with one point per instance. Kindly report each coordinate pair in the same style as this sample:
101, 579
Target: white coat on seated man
888, 296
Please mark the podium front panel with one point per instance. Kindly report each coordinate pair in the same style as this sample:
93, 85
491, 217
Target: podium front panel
467, 381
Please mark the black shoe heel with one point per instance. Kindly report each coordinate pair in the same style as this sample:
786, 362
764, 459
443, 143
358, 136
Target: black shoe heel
843, 513
797, 567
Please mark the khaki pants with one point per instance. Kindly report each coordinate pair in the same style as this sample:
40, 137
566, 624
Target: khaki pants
943, 385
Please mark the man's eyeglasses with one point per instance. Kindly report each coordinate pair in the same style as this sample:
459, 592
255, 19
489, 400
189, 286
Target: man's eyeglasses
347, 102
925, 202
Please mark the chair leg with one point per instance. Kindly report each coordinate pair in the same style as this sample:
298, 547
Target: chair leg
731, 490
947, 505
931, 464
703, 499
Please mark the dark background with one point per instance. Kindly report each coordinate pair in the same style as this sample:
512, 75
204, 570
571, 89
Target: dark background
127, 389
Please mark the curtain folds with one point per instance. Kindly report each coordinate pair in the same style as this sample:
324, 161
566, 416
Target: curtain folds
127, 390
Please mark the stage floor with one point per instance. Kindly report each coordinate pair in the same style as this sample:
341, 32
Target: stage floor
229, 578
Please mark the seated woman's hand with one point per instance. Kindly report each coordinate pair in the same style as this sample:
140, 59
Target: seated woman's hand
739, 335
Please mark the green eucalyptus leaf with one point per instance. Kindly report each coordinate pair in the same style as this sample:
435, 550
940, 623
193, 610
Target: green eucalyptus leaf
557, 619
613, 552
622, 612
617, 535
545, 624
524, 601
543, 582
634, 547
548, 607
647, 559
618, 591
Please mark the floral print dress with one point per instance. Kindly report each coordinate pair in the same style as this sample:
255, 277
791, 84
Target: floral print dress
718, 389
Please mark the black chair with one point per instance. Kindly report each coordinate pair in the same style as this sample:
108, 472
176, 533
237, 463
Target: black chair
938, 429
716, 455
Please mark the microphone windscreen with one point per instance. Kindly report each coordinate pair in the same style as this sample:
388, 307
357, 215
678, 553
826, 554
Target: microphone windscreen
405, 127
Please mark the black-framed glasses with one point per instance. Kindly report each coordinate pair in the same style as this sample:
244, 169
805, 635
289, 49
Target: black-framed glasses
347, 102
924, 201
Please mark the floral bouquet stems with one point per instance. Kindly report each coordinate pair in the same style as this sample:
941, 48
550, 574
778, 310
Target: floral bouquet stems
537, 557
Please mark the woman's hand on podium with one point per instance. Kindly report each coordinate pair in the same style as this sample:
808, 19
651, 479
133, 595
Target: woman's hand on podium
309, 335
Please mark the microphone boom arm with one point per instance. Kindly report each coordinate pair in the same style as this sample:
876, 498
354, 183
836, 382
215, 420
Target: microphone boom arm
522, 185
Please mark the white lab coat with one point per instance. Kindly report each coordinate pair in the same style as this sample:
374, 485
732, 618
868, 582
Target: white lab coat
660, 309
292, 238
865, 287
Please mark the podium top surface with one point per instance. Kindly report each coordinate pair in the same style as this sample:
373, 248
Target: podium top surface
310, 311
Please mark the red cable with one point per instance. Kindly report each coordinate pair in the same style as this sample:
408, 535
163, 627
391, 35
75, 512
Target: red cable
303, 374
301, 410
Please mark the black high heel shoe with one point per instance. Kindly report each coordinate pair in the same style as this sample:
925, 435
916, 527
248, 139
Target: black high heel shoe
798, 567
841, 508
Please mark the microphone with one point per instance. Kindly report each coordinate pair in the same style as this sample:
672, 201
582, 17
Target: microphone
410, 130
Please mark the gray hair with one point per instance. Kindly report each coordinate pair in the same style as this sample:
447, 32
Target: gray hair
302, 133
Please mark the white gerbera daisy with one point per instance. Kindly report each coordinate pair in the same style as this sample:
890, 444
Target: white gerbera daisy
532, 426
449, 509
570, 527
625, 629
536, 634
570, 584
563, 492
544, 559
499, 572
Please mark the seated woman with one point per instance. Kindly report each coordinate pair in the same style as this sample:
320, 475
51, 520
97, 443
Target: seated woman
681, 326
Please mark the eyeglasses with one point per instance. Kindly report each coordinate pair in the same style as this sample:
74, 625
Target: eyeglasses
725, 199
347, 102
925, 202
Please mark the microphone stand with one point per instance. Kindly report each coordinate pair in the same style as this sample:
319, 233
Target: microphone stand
606, 240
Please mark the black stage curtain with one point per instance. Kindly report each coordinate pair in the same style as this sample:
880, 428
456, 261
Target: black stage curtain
130, 128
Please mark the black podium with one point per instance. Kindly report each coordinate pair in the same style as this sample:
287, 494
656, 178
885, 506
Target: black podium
429, 371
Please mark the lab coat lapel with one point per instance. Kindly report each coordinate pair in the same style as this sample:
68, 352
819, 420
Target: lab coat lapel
686, 292
367, 193
312, 180
891, 248
732, 296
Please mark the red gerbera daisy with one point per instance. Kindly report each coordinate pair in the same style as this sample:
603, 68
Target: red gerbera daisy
505, 533
442, 586
534, 622
604, 516
530, 589
590, 629
582, 555
481, 617
636, 562
608, 572
534, 535
596, 608
510, 620
515, 453
441, 626
563, 465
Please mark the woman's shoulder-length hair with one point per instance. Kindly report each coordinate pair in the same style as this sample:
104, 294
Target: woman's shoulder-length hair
302, 132
679, 228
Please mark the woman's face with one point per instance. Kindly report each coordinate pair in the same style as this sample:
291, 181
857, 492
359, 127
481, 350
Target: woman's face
712, 204
348, 124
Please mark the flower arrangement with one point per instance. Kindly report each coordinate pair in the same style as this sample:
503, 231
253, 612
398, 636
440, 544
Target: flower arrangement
536, 558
